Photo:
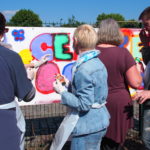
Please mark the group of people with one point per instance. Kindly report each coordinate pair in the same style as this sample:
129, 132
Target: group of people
98, 98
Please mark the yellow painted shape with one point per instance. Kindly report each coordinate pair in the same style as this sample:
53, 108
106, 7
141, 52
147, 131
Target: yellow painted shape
26, 56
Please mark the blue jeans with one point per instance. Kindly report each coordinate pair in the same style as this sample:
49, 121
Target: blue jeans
146, 128
88, 141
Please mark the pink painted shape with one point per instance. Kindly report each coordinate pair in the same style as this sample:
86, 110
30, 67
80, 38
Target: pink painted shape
45, 77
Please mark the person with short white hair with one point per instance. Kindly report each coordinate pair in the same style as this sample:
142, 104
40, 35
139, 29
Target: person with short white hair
88, 118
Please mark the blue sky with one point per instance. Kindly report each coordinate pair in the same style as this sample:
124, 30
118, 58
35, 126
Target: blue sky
83, 10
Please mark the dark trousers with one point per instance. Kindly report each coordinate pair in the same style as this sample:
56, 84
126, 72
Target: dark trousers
108, 144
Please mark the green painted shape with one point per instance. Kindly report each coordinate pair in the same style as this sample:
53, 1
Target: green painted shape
60, 40
136, 48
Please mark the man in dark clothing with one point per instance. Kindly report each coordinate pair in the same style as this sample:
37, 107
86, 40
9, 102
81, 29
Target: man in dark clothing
13, 83
144, 96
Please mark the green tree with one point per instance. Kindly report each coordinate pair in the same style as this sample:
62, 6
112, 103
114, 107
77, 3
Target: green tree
131, 24
72, 22
25, 18
116, 17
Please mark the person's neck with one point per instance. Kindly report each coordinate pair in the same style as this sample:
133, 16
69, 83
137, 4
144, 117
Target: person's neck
83, 51
106, 45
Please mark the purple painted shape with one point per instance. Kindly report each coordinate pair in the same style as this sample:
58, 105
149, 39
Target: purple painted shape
126, 39
37, 43
67, 71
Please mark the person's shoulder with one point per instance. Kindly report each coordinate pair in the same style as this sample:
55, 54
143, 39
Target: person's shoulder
123, 50
8, 52
8, 55
92, 65
122, 54
116, 50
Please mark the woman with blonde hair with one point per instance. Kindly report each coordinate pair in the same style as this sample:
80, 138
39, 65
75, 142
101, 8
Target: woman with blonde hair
88, 118
122, 72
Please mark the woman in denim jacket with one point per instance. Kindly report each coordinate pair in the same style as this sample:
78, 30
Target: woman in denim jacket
87, 98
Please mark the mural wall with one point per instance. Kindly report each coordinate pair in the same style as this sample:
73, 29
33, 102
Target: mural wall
32, 43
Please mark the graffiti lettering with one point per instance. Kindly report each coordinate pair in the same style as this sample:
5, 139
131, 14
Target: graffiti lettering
58, 43
61, 47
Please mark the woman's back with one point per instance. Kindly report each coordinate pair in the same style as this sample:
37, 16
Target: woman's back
117, 61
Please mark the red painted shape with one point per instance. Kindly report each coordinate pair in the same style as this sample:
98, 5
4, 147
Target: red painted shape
15, 33
128, 32
44, 46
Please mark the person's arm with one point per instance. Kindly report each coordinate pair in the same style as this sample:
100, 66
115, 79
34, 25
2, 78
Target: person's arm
30, 95
23, 87
133, 77
130, 71
37, 64
31, 65
84, 95
42, 60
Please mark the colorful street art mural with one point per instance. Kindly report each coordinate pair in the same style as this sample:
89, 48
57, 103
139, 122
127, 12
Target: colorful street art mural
31, 43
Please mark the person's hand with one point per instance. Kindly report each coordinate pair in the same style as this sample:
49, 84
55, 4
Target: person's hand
45, 58
42, 60
66, 81
142, 96
30, 73
31, 65
144, 38
58, 87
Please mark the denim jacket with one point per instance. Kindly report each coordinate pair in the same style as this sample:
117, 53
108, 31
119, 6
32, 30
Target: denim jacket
89, 86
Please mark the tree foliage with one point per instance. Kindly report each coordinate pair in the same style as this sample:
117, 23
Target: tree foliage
120, 19
103, 16
29, 19
72, 22
25, 18
131, 24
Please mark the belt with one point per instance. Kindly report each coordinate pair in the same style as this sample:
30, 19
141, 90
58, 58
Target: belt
97, 105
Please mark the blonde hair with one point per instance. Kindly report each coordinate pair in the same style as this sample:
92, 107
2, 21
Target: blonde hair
109, 33
86, 37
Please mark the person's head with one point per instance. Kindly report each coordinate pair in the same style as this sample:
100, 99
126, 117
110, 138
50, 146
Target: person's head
109, 33
145, 18
2, 24
85, 38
